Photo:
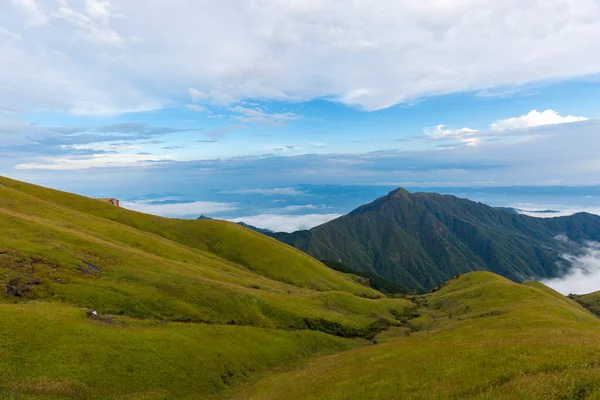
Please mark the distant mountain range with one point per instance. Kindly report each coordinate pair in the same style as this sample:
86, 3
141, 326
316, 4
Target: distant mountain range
420, 240
267, 232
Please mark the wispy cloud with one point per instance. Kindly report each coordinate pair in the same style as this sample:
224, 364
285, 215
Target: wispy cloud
287, 223
180, 210
34, 14
257, 115
83, 147
98, 159
95, 25
196, 107
287, 191
302, 207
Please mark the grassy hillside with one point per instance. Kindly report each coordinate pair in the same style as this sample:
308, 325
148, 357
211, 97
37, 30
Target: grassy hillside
54, 351
227, 240
105, 303
590, 301
178, 309
420, 240
481, 337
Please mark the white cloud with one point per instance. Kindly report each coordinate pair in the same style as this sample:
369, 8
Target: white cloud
34, 15
96, 32
302, 207
111, 147
319, 145
443, 131
289, 191
473, 137
552, 210
8, 34
180, 210
463, 135
81, 56
584, 275
99, 9
196, 95
196, 107
287, 223
109, 160
256, 115
534, 118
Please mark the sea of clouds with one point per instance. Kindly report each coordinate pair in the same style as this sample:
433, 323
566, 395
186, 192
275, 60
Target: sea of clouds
584, 274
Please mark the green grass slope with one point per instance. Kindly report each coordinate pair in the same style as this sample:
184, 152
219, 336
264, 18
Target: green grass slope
229, 241
183, 308
590, 301
481, 337
54, 351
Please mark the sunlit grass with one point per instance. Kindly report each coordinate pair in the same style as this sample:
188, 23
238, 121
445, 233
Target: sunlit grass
186, 308
487, 338
208, 309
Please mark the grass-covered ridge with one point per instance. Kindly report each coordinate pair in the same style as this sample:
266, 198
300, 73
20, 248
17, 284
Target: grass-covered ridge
101, 302
171, 297
482, 337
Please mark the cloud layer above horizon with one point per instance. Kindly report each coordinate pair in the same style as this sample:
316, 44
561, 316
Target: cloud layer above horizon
147, 55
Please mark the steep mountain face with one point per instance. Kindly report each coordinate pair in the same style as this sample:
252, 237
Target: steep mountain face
420, 240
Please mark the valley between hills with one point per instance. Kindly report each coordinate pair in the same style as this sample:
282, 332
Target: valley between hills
100, 302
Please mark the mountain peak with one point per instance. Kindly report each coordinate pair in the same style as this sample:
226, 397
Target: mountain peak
399, 192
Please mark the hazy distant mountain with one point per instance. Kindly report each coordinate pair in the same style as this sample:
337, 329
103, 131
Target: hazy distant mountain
420, 240
254, 228
245, 225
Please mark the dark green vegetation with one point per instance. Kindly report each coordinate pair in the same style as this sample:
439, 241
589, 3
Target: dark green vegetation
369, 278
98, 302
479, 337
423, 239
183, 309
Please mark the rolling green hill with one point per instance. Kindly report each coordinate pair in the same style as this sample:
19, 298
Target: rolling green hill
420, 240
479, 337
177, 309
99, 302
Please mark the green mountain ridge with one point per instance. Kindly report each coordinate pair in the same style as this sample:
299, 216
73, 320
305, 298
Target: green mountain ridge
420, 240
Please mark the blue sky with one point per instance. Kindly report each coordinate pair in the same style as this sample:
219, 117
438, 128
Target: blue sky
250, 108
